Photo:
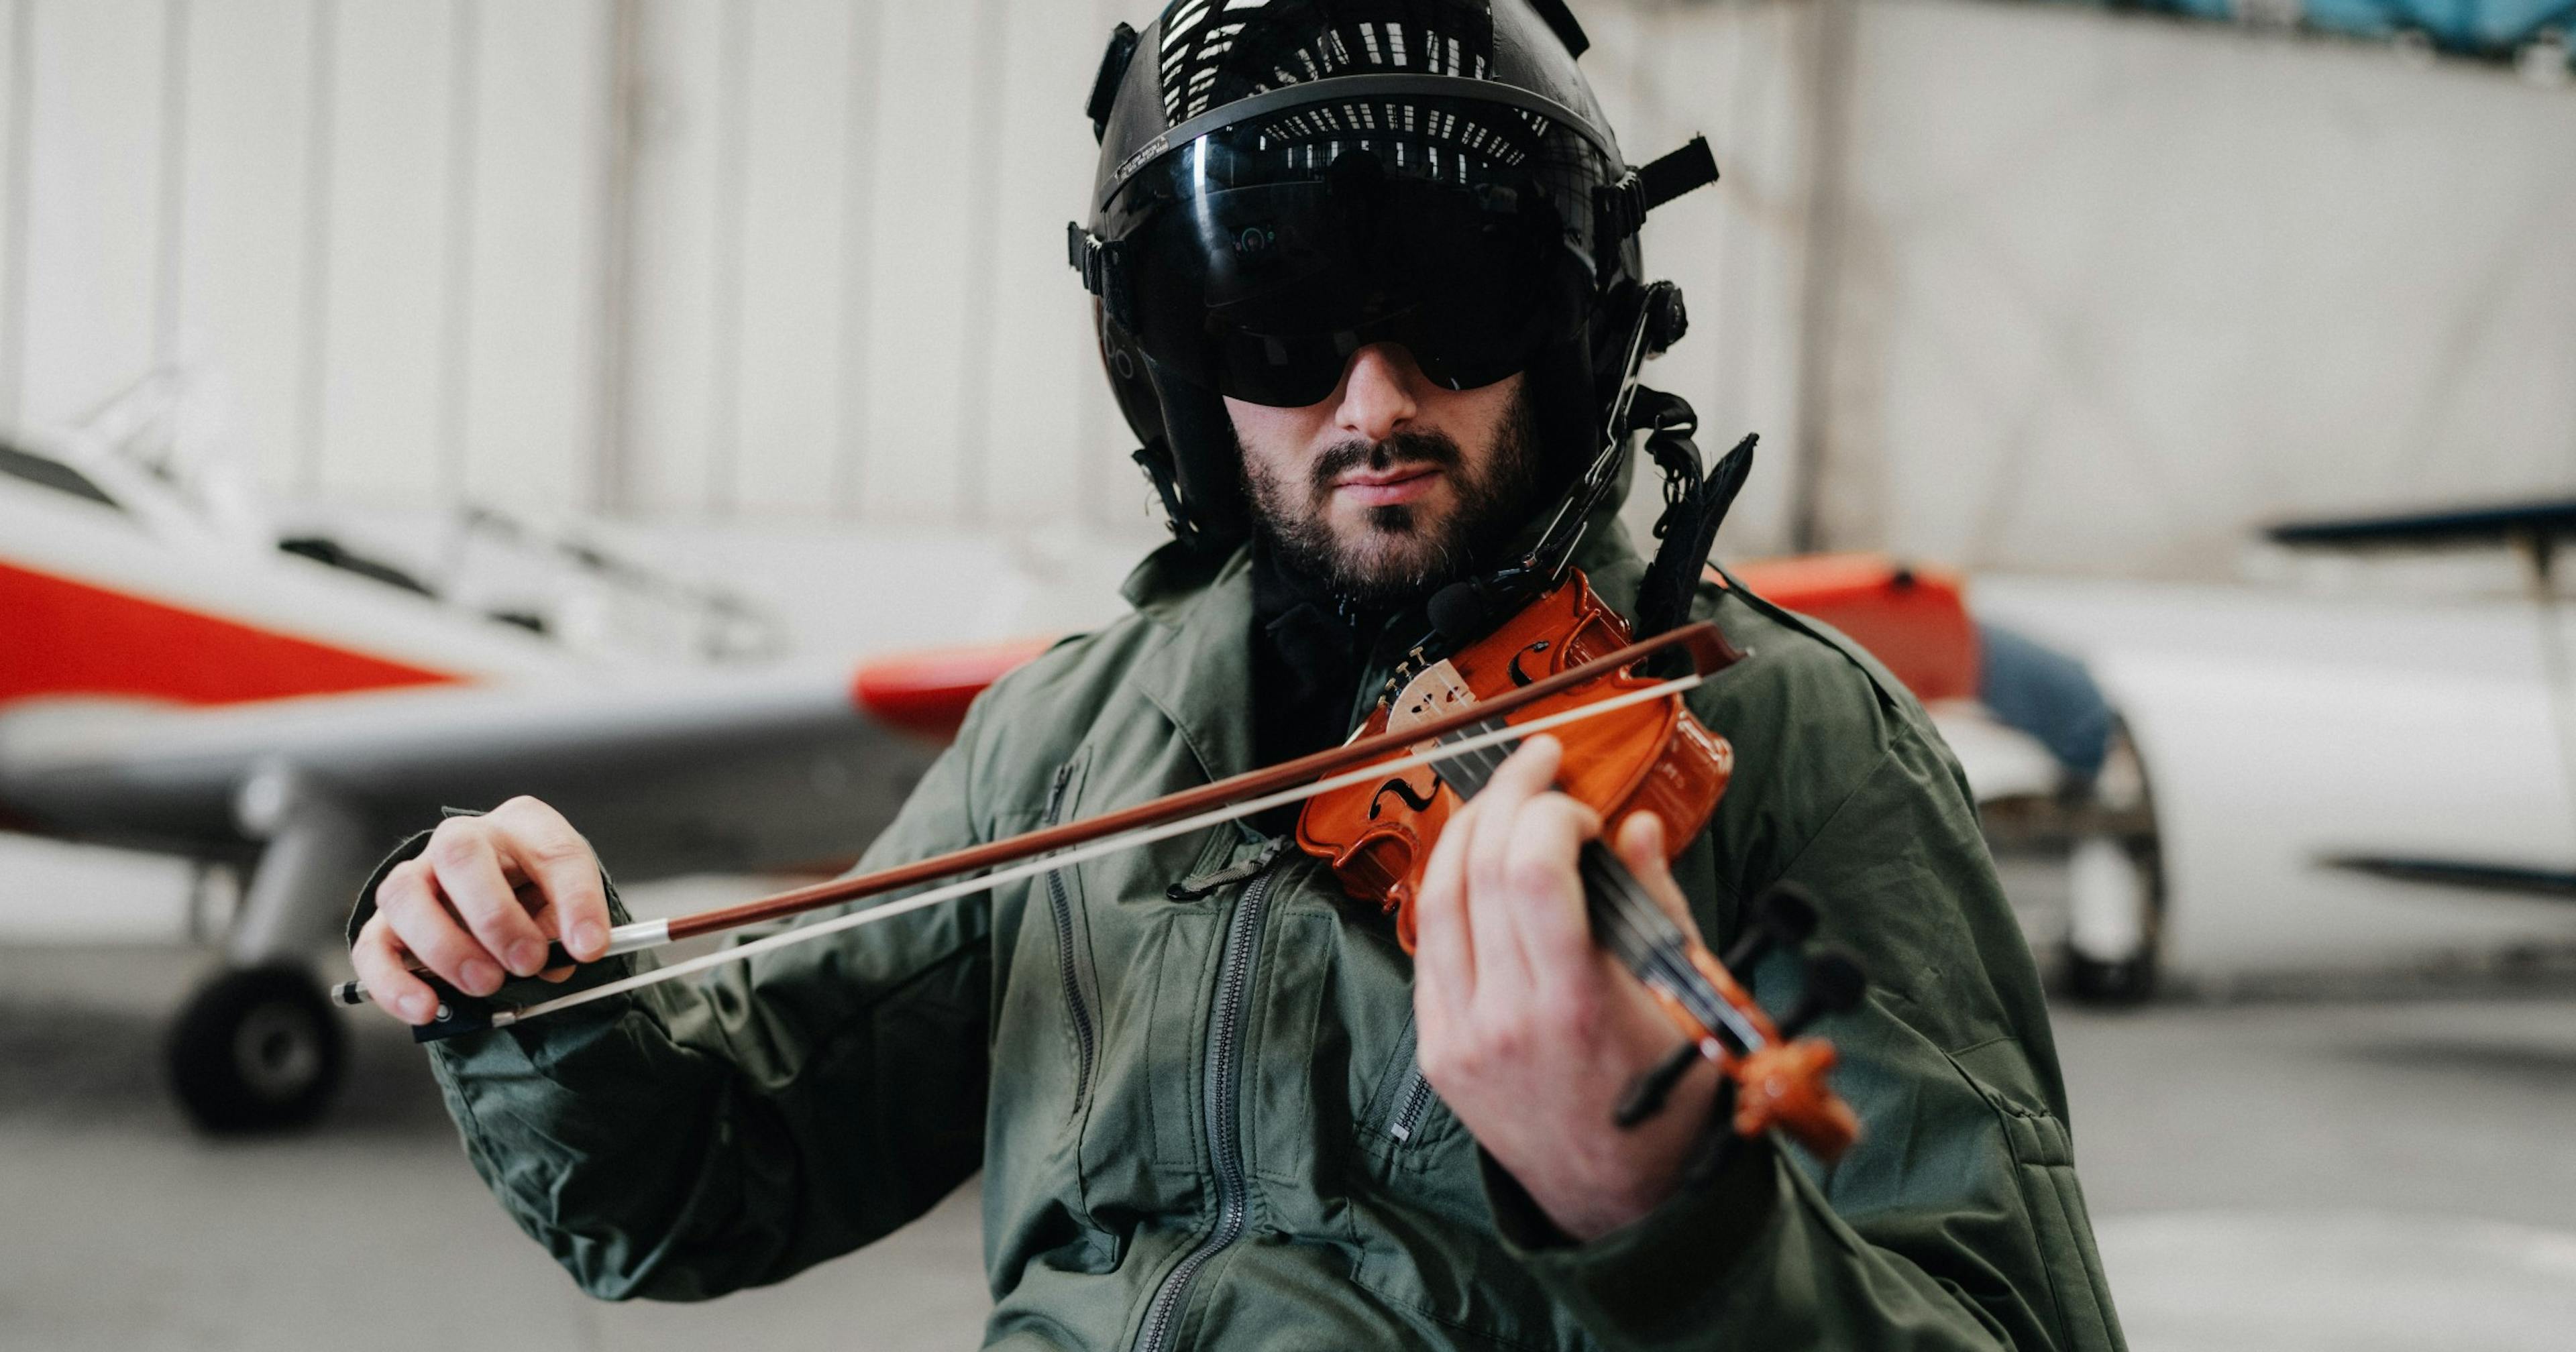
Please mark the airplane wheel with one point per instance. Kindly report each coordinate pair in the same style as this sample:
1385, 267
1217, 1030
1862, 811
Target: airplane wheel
256, 1049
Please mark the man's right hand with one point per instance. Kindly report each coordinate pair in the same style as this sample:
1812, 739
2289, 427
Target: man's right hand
485, 897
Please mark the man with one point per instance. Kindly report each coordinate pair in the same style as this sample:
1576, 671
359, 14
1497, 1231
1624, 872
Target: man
1366, 331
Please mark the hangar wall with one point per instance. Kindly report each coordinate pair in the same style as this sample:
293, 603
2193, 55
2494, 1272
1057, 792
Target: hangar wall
2115, 288
2094, 291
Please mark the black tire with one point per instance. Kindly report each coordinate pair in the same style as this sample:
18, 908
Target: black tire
256, 1049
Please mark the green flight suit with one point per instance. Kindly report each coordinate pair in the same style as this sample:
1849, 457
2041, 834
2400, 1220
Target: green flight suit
1187, 1071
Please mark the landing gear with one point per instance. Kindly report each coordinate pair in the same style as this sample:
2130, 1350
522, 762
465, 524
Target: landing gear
2115, 888
256, 1049
2112, 915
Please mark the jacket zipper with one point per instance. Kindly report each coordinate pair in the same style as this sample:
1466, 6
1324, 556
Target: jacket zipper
1061, 905
1403, 1097
1225, 1146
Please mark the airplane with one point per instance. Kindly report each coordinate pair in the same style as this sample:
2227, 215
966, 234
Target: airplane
176, 679
2360, 773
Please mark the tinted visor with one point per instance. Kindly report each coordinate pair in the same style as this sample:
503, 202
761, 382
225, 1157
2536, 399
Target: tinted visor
1263, 255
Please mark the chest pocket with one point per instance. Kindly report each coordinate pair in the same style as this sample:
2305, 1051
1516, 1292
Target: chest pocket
1077, 972
1048, 1028
1419, 1218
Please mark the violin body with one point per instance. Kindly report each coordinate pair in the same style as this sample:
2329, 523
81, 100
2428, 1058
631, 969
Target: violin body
1649, 757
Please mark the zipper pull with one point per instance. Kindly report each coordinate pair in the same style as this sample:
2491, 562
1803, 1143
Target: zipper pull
1199, 885
1055, 795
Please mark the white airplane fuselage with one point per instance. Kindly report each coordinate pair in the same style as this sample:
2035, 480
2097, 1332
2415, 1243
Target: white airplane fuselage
2282, 731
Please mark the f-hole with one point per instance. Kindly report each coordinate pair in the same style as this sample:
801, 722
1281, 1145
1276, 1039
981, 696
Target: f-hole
1404, 791
1520, 677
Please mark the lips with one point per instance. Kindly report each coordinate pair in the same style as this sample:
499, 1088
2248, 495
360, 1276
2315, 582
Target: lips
1388, 487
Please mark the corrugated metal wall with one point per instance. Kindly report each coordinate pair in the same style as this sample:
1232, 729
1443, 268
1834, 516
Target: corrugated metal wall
397, 232
2095, 292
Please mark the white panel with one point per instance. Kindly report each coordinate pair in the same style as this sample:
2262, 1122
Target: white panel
16, 58
672, 352
1115, 498
911, 468
533, 382
93, 252
1036, 338
381, 326
241, 255
1728, 73
784, 442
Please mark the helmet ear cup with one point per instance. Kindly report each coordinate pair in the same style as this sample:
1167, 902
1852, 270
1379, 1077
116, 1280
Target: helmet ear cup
1207, 461
1613, 319
1124, 362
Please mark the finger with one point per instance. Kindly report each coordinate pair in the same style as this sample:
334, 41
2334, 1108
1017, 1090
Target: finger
1502, 970
1641, 847
1444, 952
469, 875
545, 916
389, 983
561, 863
409, 901
1547, 910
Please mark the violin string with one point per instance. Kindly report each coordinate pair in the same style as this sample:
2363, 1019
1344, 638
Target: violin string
1445, 750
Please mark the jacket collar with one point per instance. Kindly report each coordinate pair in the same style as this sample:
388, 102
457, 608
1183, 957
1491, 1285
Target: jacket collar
1198, 670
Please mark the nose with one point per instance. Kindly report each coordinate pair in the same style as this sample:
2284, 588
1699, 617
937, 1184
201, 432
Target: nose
1377, 397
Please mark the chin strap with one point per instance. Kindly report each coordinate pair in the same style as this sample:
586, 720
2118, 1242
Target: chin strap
1694, 506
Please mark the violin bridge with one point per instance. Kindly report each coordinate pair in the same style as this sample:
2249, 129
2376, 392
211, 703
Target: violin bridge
1437, 691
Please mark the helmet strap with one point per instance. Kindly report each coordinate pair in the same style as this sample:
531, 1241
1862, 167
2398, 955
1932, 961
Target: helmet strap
1694, 507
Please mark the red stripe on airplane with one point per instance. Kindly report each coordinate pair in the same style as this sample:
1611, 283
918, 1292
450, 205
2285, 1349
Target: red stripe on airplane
63, 637
927, 692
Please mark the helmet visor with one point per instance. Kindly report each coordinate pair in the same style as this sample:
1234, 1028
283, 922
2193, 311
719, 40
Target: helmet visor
1265, 254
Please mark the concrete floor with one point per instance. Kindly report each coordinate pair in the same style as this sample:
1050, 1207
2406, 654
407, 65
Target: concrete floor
2292, 1175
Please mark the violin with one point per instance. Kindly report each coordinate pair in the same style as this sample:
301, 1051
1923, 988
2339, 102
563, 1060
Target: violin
1564, 664
1646, 755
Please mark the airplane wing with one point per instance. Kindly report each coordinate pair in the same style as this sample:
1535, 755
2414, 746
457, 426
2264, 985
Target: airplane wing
794, 766
2509, 523
2535, 528
2515, 879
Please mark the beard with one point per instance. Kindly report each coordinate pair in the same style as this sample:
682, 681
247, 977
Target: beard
1393, 555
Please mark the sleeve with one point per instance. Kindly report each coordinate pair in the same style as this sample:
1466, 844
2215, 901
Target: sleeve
700, 1136
1957, 1221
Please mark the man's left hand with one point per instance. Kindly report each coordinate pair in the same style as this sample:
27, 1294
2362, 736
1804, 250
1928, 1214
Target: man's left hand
1530, 1031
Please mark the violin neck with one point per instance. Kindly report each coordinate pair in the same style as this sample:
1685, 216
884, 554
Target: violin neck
1628, 922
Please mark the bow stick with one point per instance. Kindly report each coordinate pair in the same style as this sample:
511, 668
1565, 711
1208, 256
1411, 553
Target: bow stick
1052, 848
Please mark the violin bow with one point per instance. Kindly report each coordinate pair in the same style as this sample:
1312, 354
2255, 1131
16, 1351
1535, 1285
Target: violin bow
1046, 850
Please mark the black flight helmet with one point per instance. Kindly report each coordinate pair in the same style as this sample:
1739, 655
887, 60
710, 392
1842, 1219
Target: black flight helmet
1284, 182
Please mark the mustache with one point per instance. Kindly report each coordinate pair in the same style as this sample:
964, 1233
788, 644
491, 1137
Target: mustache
1436, 450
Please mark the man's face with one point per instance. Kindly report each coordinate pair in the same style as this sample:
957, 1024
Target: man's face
1392, 485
